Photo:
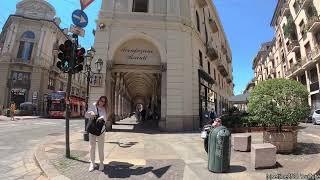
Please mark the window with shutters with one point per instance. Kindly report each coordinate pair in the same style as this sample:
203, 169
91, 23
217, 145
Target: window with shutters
26, 46
140, 6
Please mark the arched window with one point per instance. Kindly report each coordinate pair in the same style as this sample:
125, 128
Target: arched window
198, 21
26, 46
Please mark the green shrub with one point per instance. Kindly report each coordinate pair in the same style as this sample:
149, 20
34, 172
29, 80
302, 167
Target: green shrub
278, 102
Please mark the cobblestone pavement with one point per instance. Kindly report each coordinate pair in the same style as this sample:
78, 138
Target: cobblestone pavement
18, 141
133, 153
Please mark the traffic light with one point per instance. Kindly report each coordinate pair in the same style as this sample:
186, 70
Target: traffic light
79, 59
65, 55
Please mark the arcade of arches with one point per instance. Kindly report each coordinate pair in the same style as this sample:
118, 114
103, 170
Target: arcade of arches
134, 76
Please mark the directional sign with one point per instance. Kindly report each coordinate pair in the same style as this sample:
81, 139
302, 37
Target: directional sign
77, 30
79, 18
85, 3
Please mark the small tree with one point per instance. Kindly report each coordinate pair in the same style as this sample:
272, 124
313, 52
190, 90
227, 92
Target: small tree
279, 102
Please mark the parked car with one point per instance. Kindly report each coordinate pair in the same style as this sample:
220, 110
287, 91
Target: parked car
316, 117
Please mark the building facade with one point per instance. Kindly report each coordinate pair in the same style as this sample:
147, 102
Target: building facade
29, 46
294, 53
170, 57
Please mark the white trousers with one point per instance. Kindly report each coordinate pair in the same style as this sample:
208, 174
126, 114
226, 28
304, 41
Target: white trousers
93, 139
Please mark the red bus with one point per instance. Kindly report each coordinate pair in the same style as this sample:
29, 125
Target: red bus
57, 105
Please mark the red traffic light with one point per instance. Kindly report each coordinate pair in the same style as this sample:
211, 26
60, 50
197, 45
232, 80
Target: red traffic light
80, 52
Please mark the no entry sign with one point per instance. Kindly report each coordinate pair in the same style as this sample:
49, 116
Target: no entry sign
85, 3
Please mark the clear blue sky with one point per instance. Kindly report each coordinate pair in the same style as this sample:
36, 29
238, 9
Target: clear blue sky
246, 23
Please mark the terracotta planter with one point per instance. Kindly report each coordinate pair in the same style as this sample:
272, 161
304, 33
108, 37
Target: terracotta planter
285, 141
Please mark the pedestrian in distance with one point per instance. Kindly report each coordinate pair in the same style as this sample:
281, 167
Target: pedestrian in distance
12, 110
98, 111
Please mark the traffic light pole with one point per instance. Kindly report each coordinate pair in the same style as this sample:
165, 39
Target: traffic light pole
68, 115
68, 110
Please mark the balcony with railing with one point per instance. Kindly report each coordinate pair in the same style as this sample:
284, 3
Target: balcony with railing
213, 25
222, 69
305, 3
314, 86
285, 9
294, 46
202, 3
229, 80
224, 49
313, 24
313, 54
228, 59
212, 52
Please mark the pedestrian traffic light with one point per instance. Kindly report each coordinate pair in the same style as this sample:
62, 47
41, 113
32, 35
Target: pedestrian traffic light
65, 55
79, 59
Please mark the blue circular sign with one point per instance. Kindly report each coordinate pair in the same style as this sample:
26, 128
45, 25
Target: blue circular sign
79, 18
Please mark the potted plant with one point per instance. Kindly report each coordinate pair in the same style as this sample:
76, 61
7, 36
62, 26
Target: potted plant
277, 103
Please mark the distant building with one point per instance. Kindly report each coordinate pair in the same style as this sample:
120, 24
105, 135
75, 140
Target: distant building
294, 52
29, 41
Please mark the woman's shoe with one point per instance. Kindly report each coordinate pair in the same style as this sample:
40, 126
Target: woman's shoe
101, 167
91, 167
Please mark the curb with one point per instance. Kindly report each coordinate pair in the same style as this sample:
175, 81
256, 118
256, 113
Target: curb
44, 164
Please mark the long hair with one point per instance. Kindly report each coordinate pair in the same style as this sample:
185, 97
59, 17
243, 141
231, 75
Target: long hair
105, 104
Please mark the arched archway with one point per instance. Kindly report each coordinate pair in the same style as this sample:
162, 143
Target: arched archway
137, 75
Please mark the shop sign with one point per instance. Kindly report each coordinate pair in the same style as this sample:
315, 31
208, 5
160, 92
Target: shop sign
137, 52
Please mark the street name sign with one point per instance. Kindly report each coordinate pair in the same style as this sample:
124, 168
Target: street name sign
77, 30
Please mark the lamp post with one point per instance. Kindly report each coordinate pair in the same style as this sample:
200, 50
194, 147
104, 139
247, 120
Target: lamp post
88, 59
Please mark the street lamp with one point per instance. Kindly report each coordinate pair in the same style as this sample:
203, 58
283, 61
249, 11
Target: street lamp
88, 58
99, 64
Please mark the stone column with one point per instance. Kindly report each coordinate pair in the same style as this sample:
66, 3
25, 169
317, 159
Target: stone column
162, 122
116, 95
308, 86
108, 83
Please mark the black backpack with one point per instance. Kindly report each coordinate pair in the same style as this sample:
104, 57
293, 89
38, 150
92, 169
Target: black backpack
94, 126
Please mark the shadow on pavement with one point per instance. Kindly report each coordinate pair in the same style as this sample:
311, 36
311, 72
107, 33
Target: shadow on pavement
117, 169
124, 145
307, 148
237, 169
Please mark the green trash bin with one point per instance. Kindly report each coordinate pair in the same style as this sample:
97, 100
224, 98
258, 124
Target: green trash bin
219, 150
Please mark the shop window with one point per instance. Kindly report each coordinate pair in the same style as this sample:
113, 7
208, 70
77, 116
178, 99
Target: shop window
140, 6
26, 46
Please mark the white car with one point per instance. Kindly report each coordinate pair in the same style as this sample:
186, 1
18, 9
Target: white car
316, 117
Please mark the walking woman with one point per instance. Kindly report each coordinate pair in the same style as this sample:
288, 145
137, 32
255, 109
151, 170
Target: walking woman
12, 110
100, 109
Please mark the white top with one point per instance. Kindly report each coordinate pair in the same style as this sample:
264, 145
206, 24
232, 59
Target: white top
102, 112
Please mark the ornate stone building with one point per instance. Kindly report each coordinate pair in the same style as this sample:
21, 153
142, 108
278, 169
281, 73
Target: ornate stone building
29, 42
294, 53
170, 57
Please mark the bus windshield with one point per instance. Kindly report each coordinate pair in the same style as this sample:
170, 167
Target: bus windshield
57, 107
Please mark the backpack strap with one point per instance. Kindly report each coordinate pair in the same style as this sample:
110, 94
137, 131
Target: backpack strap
97, 111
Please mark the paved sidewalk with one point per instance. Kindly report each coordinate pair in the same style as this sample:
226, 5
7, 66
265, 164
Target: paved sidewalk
5, 118
134, 153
